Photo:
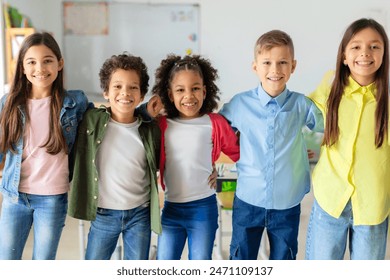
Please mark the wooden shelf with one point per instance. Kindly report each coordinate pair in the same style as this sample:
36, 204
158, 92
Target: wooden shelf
13, 39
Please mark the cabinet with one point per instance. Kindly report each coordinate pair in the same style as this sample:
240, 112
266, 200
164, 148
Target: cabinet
13, 40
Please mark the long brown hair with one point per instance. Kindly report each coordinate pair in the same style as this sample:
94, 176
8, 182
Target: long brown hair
332, 132
11, 126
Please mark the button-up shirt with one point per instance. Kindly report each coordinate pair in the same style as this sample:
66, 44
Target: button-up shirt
273, 169
353, 168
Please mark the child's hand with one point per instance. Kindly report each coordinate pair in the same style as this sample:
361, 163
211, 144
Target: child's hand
213, 178
154, 106
310, 153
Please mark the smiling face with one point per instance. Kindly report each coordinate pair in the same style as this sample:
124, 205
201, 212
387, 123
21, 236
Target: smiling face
124, 95
41, 67
363, 55
274, 67
187, 92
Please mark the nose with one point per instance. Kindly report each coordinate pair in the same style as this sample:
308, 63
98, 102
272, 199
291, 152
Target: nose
40, 66
366, 51
188, 94
275, 68
125, 91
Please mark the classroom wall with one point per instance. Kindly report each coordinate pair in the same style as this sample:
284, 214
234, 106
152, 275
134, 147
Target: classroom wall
229, 29
2, 53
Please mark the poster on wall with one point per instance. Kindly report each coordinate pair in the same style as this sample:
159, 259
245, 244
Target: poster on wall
85, 18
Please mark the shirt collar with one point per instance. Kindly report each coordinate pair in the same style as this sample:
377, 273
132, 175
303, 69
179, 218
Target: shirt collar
265, 98
354, 88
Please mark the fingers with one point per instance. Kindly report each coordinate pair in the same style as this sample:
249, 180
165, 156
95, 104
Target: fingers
213, 178
310, 153
154, 106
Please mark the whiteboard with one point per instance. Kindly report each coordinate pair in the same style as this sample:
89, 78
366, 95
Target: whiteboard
150, 31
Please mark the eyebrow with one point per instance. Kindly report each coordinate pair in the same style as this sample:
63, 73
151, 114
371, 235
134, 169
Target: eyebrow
121, 82
372, 41
47, 56
195, 84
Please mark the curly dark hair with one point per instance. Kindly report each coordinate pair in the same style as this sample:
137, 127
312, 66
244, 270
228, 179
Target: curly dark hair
173, 64
124, 61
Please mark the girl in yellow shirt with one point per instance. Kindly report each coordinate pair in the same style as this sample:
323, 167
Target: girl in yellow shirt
351, 179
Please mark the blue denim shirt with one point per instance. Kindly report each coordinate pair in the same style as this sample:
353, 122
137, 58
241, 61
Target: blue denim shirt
74, 105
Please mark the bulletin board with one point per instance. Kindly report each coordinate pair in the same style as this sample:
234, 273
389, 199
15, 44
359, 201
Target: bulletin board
150, 31
89, 18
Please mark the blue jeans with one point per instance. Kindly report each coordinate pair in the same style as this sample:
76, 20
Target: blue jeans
46, 212
249, 222
327, 237
196, 221
133, 224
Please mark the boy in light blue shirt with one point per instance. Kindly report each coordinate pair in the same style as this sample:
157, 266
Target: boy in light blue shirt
273, 169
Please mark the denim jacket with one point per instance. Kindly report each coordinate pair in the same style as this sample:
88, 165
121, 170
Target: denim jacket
84, 192
74, 105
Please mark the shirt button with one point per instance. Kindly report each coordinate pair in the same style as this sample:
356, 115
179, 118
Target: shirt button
93, 161
95, 179
68, 129
87, 130
98, 141
95, 197
364, 89
105, 125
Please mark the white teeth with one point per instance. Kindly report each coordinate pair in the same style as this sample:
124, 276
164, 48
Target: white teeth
274, 79
189, 104
124, 101
364, 62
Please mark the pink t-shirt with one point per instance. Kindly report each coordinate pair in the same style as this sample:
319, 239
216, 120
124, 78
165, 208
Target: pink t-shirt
41, 173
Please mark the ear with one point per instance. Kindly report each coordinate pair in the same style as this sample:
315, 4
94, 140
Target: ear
105, 95
294, 65
254, 66
345, 60
60, 64
170, 95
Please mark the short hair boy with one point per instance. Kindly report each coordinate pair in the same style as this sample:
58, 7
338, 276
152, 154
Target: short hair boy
273, 169
115, 163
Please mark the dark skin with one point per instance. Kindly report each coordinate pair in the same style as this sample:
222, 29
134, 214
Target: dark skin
156, 108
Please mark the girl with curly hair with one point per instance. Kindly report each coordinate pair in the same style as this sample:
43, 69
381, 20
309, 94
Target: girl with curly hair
192, 138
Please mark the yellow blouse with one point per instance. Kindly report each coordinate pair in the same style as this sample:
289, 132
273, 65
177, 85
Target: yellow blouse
353, 168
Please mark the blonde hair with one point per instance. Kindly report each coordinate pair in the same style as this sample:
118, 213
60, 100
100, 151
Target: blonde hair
271, 39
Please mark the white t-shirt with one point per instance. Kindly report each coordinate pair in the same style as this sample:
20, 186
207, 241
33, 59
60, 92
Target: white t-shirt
122, 168
188, 148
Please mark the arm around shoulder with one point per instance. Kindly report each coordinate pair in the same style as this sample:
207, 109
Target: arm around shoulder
320, 95
225, 139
